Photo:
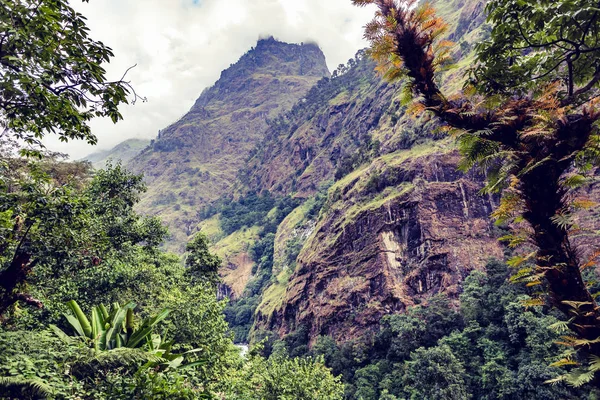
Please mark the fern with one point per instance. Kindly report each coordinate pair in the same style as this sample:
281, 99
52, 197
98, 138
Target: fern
575, 181
560, 326
123, 358
579, 377
20, 386
563, 221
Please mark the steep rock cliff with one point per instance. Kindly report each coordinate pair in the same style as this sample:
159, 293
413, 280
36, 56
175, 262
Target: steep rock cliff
392, 234
398, 229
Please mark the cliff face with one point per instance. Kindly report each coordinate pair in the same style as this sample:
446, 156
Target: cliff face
196, 160
401, 227
381, 247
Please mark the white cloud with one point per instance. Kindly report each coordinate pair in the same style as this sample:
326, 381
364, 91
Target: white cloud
181, 47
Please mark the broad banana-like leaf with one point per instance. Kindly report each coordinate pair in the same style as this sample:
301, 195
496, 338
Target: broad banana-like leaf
101, 325
83, 321
145, 329
101, 317
102, 340
129, 323
117, 324
97, 328
104, 313
74, 322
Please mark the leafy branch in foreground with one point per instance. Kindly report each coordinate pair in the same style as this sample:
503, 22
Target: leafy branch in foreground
56, 220
52, 79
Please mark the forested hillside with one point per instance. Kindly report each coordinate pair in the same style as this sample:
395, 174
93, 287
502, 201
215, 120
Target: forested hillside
381, 208
421, 223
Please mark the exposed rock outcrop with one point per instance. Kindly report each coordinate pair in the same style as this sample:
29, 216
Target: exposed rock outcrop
379, 250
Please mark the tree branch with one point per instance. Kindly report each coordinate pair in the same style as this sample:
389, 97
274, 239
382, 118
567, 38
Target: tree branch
590, 85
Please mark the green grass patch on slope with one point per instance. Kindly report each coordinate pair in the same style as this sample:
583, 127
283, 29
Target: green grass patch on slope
236, 243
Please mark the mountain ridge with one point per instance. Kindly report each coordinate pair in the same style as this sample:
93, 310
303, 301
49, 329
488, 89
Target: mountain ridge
123, 152
348, 151
197, 159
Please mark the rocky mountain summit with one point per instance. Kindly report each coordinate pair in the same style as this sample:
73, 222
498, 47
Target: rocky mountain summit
197, 159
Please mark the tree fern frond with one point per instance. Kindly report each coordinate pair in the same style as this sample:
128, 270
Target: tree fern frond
560, 326
531, 166
517, 261
534, 302
579, 377
594, 363
576, 304
574, 181
557, 380
563, 221
19, 386
564, 362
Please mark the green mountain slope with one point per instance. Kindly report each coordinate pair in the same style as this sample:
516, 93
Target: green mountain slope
399, 223
382, 209
197, 159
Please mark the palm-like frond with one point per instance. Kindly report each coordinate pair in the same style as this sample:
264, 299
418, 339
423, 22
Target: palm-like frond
560, 326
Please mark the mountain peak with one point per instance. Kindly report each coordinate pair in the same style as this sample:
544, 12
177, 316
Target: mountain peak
200, 156
275, 57
269, 59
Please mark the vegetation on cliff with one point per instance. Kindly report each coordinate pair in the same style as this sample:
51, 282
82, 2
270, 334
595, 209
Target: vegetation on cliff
196, 160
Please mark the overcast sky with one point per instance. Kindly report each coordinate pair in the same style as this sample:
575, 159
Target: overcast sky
181, 46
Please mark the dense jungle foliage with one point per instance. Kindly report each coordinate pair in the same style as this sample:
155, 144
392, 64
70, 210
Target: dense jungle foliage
267, 212
528, 117
92, 307
489, 348
118, 317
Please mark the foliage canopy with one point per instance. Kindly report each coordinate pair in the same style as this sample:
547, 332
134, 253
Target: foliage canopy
52, 73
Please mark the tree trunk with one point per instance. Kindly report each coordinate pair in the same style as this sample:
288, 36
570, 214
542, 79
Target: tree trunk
11, 278
544, 198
